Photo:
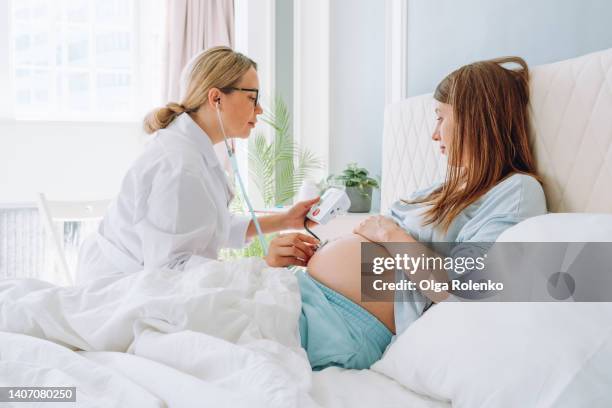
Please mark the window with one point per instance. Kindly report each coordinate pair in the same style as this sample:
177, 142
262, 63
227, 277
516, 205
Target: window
86, 59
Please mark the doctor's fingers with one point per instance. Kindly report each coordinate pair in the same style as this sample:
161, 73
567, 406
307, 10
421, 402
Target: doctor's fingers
291, 260
294, 251
277, 261
296, 238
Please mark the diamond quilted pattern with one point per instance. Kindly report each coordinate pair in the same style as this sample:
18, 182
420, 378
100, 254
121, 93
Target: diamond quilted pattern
411, 159
571, 112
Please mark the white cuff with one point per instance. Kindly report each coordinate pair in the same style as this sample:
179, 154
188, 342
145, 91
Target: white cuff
238, 228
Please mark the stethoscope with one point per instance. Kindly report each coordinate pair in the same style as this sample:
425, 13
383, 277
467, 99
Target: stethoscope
234, 163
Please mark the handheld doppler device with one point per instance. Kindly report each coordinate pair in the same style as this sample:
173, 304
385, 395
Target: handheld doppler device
332, 203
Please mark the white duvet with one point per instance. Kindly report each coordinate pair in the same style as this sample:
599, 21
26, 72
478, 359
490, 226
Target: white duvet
228, 330
225, 335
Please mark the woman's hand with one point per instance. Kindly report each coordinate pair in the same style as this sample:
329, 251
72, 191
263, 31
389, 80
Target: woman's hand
291, 249
379, 228
294, 217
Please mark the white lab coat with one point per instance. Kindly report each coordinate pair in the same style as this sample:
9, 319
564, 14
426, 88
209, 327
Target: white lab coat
172, 209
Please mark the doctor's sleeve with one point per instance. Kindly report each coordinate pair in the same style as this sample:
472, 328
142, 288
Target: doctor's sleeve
239, 225
179, 220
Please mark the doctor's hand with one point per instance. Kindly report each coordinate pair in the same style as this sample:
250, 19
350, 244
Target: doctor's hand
294, 217
290, 249
379, 228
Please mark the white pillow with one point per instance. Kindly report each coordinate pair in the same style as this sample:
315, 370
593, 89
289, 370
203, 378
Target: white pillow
561, 227
513, 354
507, 355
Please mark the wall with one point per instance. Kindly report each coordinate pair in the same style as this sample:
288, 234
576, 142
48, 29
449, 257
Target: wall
284, 51
445, 34
311, 79
65, 160
357, 84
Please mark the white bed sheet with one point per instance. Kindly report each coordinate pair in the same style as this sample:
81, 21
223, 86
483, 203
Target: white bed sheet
337, 388
175, 388
332, 387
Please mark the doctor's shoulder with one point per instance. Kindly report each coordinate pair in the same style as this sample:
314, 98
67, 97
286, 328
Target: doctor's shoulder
160, 159
167, 147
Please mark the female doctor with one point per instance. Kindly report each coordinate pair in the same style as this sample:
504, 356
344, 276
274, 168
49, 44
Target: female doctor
172, 209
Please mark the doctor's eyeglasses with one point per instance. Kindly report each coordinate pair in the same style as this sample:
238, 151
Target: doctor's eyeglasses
232, 88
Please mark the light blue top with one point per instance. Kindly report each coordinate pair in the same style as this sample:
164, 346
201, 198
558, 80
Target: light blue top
514, 199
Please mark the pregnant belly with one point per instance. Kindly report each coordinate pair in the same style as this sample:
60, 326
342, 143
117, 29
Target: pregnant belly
338, 266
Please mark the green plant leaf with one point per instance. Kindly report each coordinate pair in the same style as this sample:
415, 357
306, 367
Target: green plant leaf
278, 167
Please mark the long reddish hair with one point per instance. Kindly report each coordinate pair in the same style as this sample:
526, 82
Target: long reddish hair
491, 115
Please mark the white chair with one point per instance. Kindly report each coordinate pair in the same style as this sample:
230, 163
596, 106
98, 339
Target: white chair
66, 211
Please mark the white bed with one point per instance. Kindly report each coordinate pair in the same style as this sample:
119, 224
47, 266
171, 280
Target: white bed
572, 118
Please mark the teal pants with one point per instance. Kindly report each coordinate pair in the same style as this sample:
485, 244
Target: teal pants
335, 331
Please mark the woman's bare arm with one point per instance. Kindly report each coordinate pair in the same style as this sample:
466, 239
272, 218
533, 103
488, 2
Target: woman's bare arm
400, 237
392, 237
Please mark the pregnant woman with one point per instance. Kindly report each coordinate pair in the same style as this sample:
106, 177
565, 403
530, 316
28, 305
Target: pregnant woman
482, 125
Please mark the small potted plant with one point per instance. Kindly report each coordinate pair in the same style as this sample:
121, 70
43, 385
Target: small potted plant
358, 187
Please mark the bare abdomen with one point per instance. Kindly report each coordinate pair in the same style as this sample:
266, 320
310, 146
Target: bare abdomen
338, 266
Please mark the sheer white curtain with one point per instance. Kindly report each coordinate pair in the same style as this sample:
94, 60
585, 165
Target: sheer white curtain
192, 27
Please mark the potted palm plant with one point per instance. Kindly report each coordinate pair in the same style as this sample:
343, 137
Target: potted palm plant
358, 185
278, 167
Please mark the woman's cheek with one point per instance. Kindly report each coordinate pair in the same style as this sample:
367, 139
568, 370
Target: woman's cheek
444, 135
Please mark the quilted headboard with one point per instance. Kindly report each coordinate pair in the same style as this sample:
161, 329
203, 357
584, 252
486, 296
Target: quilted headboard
571, 114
